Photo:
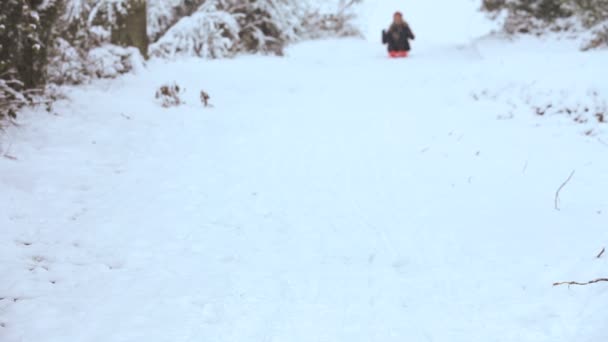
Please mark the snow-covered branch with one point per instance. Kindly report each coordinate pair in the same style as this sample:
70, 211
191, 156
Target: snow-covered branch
208, 33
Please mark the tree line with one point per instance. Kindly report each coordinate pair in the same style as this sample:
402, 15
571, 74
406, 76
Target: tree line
55, 42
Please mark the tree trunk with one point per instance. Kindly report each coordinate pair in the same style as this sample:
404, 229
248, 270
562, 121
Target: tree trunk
130, 28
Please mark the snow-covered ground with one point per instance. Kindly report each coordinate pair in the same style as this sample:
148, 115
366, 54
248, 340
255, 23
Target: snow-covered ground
330, 195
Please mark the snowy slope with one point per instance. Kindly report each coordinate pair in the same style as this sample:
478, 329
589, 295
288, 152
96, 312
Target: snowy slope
434, 22
331, 195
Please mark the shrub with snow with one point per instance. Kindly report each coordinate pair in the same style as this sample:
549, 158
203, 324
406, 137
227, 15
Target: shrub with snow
222, 28
338, 23
169, 95
11, 98
66, 65
110, 61
587, 107
82, 50
210, 32
163, 14
539, 16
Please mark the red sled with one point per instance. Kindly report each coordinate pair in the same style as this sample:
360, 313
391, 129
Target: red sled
398, 54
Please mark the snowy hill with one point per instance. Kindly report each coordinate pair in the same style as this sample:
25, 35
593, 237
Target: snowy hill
435, 22
330, 195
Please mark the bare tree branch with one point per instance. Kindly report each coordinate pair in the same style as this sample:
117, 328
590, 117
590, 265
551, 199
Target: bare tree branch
6, 154
560, 189
599, 280
601, 253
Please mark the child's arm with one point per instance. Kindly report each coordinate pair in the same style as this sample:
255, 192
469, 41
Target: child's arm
409, 32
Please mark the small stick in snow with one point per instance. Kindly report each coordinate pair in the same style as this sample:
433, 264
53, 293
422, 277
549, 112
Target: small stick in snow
7, 154
601, 253
560, 189
525, 168
599, 280
125, 116
205, 98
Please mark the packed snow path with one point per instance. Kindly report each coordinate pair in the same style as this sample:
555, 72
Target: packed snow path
331, 195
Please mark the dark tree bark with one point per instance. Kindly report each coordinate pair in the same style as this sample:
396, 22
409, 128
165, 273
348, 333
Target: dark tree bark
130, 28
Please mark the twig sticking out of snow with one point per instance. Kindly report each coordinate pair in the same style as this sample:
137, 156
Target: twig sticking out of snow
205, 98
560, 189
601, 253
599, 280
7, 154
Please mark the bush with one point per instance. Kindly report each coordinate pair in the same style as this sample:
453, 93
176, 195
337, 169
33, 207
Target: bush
169, 95
223, 28
110, 61
163, 14
11, 98
210, 33
600, 38
335, 24
537, 16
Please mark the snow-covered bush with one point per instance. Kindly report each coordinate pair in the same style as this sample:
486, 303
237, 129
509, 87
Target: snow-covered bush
592, 12
11, 98
338, 23
530, 16
70, 65
222, 28
210, 32
110, 61
163, 14
169, 95
599, 37
90, 12
267, 25
66, 65
82, 49
588, 107
539, 16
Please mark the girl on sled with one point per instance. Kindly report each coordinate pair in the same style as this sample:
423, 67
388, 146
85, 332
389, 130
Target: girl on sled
398, 37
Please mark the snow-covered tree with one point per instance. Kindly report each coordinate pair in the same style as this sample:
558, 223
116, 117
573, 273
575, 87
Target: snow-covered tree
83, 46
267, 25
218, 28
25, 33
337, 22
163, 14
210, 32
221, 28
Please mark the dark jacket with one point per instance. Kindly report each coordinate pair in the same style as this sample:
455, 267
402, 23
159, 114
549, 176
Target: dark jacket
398, 37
